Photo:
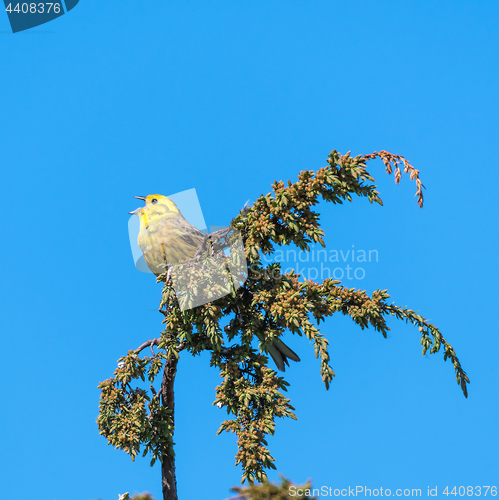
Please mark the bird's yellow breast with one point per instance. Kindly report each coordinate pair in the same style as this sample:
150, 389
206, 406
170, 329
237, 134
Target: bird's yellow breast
168, 240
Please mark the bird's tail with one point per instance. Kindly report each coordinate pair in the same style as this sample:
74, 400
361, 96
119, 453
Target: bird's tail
280, 353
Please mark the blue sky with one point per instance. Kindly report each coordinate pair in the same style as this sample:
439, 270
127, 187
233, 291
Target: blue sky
117, 99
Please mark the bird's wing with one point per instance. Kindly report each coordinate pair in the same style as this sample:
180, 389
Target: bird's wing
191, 235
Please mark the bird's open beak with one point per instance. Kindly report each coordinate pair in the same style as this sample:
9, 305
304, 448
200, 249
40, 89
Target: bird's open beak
137, 210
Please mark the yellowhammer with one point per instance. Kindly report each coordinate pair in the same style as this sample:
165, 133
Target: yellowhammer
166, 238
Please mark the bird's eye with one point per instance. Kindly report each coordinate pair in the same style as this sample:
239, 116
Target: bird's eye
154, 200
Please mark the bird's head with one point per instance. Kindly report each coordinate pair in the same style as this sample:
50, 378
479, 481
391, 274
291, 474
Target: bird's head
156, 207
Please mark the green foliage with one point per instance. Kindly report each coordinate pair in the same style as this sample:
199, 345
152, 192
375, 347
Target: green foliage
271, 491
255, 400
264, 491
138, 496
269, 304
129, 416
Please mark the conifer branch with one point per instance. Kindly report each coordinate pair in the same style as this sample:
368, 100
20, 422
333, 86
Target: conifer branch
268, 305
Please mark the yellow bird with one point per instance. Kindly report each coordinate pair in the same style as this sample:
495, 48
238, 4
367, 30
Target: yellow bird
166, 238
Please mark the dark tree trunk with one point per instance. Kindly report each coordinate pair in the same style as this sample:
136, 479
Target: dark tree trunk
168, 481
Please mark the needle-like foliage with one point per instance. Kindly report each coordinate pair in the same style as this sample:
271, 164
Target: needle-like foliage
271, 491
269, 304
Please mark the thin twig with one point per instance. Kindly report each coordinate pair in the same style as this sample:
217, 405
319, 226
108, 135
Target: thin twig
218, 235
147, 344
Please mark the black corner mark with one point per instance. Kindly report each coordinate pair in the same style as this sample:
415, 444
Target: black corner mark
24, 15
